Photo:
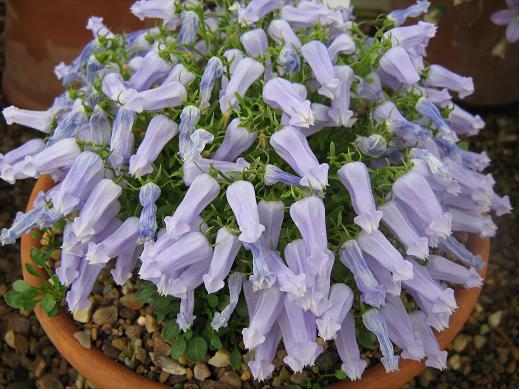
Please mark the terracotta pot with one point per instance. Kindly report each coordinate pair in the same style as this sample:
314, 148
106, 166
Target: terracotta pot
104, 373
39, 36
464, 43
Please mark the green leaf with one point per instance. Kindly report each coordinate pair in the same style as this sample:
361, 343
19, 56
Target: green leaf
32, 270
235, 358
212, 300
18, 300
38, 257
54, 311
197, 349
216, 343
171, 330
178, 347
146, 292
48, 303
340, 375
21, 286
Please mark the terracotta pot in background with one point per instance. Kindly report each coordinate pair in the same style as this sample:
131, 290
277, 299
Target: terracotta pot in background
105, 373
41, 34
464, 43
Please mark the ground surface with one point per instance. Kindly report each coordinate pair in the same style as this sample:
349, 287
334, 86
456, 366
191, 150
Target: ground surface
485, 355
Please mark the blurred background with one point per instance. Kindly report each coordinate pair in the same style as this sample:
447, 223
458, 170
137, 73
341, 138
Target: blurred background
38, 34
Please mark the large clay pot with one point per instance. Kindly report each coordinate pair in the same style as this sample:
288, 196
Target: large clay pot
41, 34
464, 43
104, 373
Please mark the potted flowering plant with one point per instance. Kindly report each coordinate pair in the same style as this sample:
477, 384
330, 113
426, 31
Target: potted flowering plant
261, 174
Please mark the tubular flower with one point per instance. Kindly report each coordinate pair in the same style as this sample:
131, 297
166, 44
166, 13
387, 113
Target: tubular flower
435, 356
400, 329
343, 43
299, 336
245, 74
268, 305
256, 10
200, 194
148, 196
377, 246
101, 205
444, 270
376, 323
442, 299
60, 155
235, 283
292, 146
224, 254
399, 16
242, 199
121, 240
236, 140
397, 63
372, 292
414, 191
341, 299
439, 77
160, 131
316, 55
38, 120
281, 33
355, 177
348, 349
454, 247
404, 230
282, 94
213, 71
271, 214
157, 9
308, 13
254, 42
151, 70
121, 143
86, 171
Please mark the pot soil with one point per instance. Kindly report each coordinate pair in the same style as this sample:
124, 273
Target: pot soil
105, 373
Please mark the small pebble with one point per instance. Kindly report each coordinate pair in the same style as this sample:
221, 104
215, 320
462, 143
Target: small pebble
495, 319
105, 315
201, 371
232, 379
222, 358
460, 342
131, 301
83, 337
479, 341
151, 324
171, 366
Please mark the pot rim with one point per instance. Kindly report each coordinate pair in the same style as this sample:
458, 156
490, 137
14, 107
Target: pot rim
105, 373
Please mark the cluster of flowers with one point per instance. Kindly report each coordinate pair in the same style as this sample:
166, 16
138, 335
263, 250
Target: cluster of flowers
92, 155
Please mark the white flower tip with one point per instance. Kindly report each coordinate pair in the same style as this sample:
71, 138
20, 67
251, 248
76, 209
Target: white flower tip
440, 227
437, 361
354, 369
369, 222
251, 233
390, 363
419, 248
252, 338
261, 370
475, 280
404, 271
10, 114
212, 285
327, 328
